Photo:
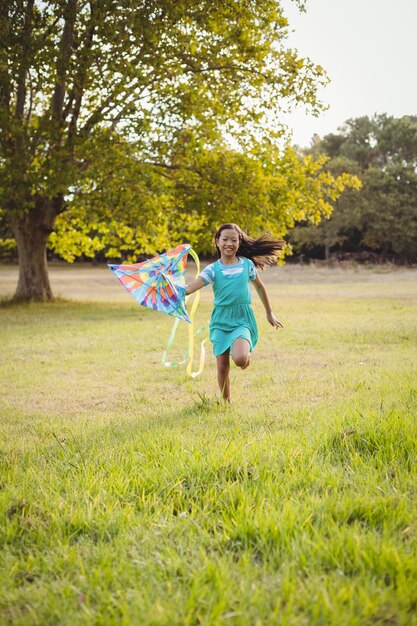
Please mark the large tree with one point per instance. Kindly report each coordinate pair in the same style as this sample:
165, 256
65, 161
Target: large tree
76, 73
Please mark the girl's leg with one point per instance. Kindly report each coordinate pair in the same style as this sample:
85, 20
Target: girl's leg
241, 352
223, 369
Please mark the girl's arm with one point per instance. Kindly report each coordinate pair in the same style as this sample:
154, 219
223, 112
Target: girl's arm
197, 284
261, 291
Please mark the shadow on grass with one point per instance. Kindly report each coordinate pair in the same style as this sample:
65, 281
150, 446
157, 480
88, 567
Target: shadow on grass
6, 302
87, 310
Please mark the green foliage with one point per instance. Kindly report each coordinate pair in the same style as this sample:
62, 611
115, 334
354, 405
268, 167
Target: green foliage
146, 71
389, 209
338, 226
144, 211
382, 216
7, 249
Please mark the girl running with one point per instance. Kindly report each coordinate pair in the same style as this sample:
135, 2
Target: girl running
233, 329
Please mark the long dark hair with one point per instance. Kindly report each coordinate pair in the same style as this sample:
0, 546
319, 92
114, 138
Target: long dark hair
262, 251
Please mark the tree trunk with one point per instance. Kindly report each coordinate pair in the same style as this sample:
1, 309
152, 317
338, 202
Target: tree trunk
31, 232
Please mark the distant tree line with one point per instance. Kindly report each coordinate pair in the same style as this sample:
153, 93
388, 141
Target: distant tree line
379, 221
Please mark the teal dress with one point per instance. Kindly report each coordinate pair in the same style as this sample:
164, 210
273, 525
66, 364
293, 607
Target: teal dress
232, 316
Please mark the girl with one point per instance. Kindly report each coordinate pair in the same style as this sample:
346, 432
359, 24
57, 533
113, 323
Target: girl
233, 326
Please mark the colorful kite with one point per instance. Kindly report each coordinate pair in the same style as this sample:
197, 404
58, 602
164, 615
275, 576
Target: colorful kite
158, 283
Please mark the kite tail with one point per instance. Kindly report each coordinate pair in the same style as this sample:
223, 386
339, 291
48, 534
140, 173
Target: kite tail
189, 353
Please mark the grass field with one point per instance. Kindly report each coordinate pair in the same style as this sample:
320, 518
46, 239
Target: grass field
129, 496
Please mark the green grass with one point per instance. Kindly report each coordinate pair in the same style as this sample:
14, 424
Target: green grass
128, 495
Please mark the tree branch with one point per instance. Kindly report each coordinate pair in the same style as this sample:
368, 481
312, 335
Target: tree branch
80, 78
194, 69
24, 61
31, 93
5, 25
65, 51
175, 168
97, 115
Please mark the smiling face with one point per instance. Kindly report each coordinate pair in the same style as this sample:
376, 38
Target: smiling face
228, 244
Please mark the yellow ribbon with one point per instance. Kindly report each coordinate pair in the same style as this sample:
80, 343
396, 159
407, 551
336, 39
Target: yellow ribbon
189, 353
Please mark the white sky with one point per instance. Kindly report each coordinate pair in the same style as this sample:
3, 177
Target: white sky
369, 50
